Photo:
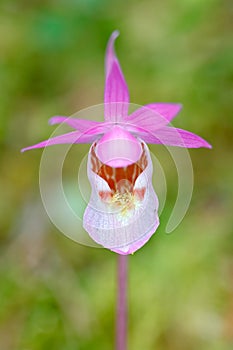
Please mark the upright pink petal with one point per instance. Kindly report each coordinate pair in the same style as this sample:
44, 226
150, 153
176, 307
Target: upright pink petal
174, 137
116, 94
71, 137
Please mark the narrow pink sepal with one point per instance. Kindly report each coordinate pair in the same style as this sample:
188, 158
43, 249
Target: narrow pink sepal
167, 110
154, 116
174, 137
116, 94
72, 137
83, 125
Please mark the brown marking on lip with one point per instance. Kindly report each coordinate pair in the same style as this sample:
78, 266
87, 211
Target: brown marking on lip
119, 179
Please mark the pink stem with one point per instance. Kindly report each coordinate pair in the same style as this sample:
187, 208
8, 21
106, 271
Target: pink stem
121, 324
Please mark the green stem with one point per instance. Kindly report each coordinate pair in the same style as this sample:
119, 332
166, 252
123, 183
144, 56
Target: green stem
121, 322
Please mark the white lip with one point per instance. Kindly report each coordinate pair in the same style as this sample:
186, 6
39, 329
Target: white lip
107, 226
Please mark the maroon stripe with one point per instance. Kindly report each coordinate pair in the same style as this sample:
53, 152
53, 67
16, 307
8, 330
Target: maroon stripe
119, 179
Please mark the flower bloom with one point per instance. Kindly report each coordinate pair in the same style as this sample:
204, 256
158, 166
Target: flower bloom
122, 213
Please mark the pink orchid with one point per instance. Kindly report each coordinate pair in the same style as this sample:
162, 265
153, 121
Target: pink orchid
122, 213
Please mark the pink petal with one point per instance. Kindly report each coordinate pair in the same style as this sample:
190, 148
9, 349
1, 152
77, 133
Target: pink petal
174, 137
164, 112
116, 94
118, 148
71, 137
83, 125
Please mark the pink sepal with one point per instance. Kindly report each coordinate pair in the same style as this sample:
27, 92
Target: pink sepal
116, 94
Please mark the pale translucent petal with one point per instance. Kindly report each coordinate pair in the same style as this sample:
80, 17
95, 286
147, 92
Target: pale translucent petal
133, 247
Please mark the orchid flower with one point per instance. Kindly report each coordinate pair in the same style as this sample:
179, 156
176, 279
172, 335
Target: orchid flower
122, 213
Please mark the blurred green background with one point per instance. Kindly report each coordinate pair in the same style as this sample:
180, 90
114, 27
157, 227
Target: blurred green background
56, 294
